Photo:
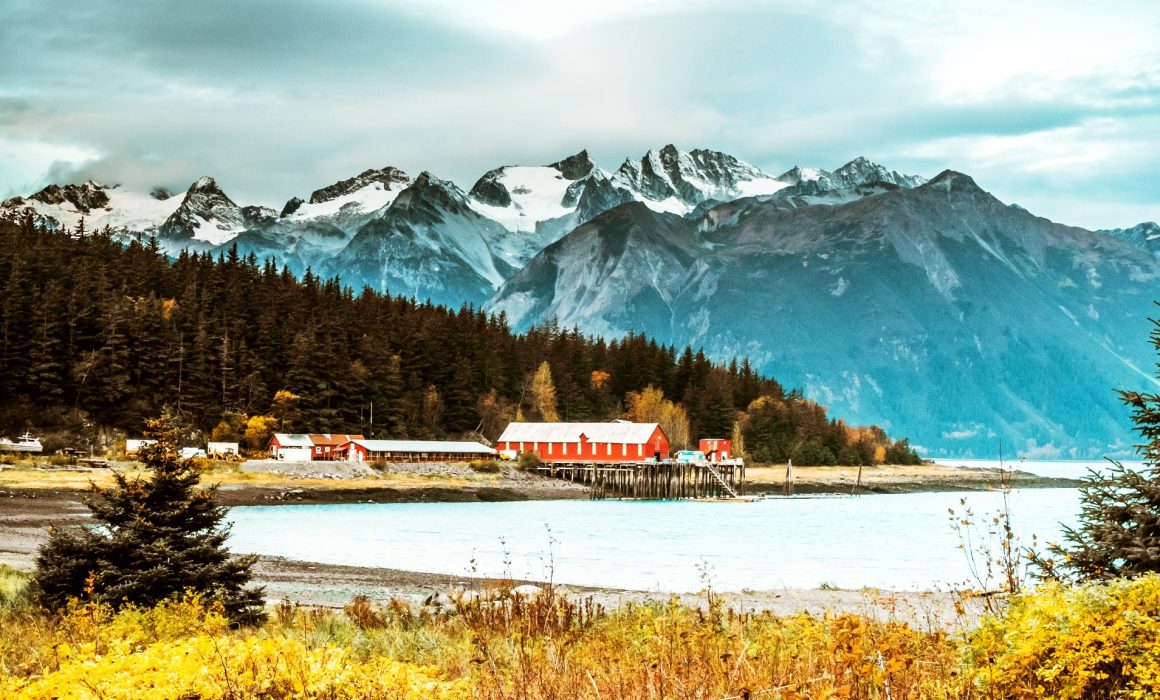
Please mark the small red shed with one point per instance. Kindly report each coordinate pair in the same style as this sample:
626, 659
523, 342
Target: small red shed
717, 450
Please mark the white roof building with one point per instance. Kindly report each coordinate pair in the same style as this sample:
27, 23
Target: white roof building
293, 440
424, 446
616, 432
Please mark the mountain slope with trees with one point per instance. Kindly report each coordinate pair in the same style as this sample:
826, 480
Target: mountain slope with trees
95, 338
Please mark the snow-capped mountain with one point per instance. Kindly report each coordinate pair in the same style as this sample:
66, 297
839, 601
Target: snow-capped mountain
206, 218
674, 181
538, 204
521, 197
345, 200
857, 179
1145, 235
936, 311
430, 243
862, 172
532, 205
309, 233
123, 211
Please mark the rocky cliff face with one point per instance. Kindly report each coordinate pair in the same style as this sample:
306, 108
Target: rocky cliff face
84, 198
678, 181
390, 177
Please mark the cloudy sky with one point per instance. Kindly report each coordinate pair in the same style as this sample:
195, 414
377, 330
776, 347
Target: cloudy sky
1054, 105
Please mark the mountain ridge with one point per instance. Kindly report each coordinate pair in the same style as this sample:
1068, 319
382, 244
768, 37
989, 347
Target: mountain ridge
940, 290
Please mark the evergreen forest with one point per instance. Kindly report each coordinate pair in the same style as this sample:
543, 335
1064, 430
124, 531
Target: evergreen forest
97, 337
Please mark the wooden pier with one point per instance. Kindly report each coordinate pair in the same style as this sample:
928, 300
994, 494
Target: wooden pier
665, 480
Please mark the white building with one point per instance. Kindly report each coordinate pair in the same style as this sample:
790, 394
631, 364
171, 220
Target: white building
296, 447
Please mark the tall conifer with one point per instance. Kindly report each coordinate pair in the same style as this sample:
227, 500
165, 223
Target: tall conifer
154, 538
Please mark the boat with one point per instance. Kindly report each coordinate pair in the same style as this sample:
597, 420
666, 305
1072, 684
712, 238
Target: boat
25, 443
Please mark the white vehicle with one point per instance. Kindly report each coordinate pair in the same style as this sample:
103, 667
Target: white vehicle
691, 457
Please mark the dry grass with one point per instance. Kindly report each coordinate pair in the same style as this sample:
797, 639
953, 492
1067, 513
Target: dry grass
28, 476
532, 648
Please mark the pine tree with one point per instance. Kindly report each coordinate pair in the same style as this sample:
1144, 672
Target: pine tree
1119, 524
156, 539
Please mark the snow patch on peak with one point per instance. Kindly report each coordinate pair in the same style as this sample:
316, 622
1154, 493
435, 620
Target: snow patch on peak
862, 171
797, 175
521, 197
369, 191
390, 179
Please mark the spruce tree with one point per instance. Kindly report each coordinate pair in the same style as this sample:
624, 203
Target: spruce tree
1118, 534
152, 538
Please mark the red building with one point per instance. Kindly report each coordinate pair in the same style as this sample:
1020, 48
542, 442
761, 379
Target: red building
329, 445
300, 447
717, 450
618, 441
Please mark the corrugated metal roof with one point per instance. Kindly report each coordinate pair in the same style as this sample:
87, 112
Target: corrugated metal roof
615, 432
427, 446
293, 440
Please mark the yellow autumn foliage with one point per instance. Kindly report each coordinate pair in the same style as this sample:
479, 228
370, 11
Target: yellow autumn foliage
1059, 642
184, 649
1098, 640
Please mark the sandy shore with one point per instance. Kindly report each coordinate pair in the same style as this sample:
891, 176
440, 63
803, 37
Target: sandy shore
893, 479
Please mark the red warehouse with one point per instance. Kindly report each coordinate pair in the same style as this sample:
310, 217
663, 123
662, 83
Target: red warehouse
717, 450
618, 441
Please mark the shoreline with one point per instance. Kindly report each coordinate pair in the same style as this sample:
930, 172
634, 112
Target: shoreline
29, 507
276, 483
25, 519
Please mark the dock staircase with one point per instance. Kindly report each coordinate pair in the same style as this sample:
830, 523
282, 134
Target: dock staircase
721, 480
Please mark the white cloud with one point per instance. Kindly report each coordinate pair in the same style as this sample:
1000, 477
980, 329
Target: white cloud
538, 20
996, 49
24, 164
277, 99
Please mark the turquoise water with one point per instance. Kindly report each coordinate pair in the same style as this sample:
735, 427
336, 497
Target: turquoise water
898, 542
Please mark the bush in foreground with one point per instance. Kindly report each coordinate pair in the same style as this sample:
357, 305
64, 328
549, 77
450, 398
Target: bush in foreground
1089, 641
